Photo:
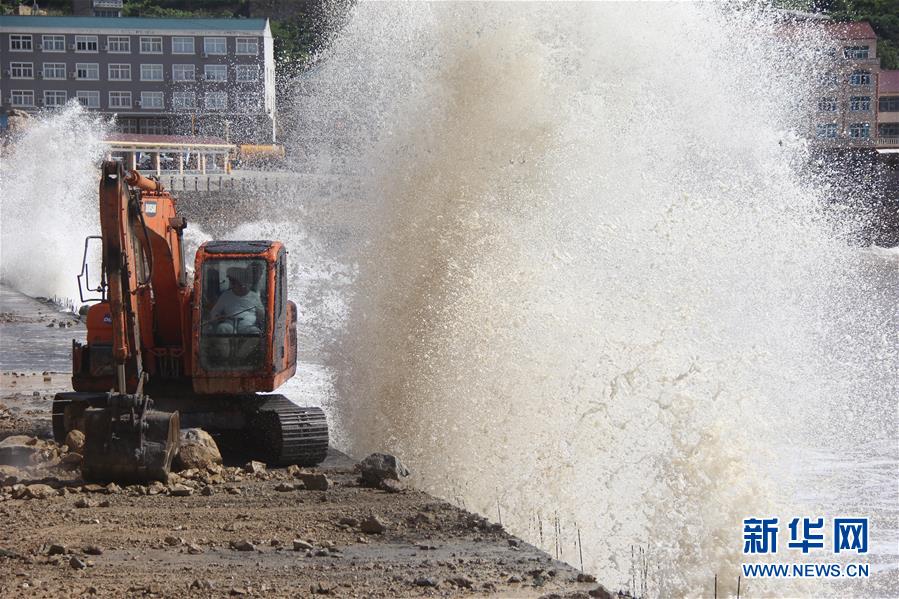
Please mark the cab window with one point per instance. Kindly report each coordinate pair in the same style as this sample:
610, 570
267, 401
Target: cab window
232, 327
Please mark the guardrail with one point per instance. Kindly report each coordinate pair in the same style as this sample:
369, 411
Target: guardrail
888, 142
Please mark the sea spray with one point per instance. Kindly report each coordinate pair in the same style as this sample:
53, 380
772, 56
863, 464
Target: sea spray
592, 287
48, 201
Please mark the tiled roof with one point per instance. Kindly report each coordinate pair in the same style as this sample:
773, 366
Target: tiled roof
860, 30
127, 23
888, 82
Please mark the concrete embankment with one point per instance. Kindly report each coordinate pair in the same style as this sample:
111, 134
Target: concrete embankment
229, 530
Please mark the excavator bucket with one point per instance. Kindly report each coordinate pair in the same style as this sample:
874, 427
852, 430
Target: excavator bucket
129, 441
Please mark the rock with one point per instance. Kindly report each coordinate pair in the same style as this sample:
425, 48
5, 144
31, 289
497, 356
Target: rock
155, 488
283, 487
514, 579
583, 577
9, 475
233, 490
314, 482
84, 502
39, 492
72, 460
93, 488
19, 450
600, 593
93, 550
56, 549
207, 491
75, 440
104, 503
77, 563
300, 545
254, 467
392, 486
180, 490
372, 526
243, 545
172, 541
198, 450
293, 470
113, 488
194, 549
379, 467
349, 521
461, 581
206, 585
424, 581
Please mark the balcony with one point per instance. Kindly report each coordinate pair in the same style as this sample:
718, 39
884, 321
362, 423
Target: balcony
888, 142
114, 4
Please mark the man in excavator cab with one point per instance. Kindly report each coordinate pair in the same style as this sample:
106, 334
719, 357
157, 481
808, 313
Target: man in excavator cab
237, 317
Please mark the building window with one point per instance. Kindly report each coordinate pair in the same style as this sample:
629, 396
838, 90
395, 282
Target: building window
54, 70
216, 100
151, 45
856, 51
86, 43
20, 43
154, 126
859, 130
87, 71
118, 44
247, 72
826, 130
248, 102
888, 129
120, 72
126, 125
184, 100
21, 97
182, 45
54, 98
21, 70
151, 72
889, 104
53, 43
214, 45
828, 78
183, 72
88, 99
860, 103
151, 100
216, 72
827, 105
248, 45
860, 78
120, 99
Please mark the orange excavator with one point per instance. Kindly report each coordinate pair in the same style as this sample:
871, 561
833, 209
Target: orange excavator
206, 352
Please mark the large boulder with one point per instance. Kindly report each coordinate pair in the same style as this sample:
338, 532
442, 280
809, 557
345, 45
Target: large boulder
198, 450
378, 467
75, 441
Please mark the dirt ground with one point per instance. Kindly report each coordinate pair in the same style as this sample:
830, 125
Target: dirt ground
228, 532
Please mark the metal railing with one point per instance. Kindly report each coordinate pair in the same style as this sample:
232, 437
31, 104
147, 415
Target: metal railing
888, 142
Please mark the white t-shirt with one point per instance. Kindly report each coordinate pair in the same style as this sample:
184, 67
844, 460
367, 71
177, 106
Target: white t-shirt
239, 310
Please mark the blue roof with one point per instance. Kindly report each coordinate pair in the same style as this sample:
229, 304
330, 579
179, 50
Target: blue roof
231, 24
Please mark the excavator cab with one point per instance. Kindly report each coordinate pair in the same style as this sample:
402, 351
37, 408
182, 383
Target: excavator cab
245, 329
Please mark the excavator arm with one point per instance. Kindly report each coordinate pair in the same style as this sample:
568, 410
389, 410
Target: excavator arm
126, 439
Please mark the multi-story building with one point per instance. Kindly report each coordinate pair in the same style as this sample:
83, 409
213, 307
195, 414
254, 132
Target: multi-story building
888, 109
212, 77
97, 8
847, 100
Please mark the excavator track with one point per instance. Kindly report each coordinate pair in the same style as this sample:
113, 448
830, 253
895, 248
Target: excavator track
286, 433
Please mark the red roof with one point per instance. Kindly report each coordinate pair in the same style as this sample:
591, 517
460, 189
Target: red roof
888, 82
185, 140
861, 30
